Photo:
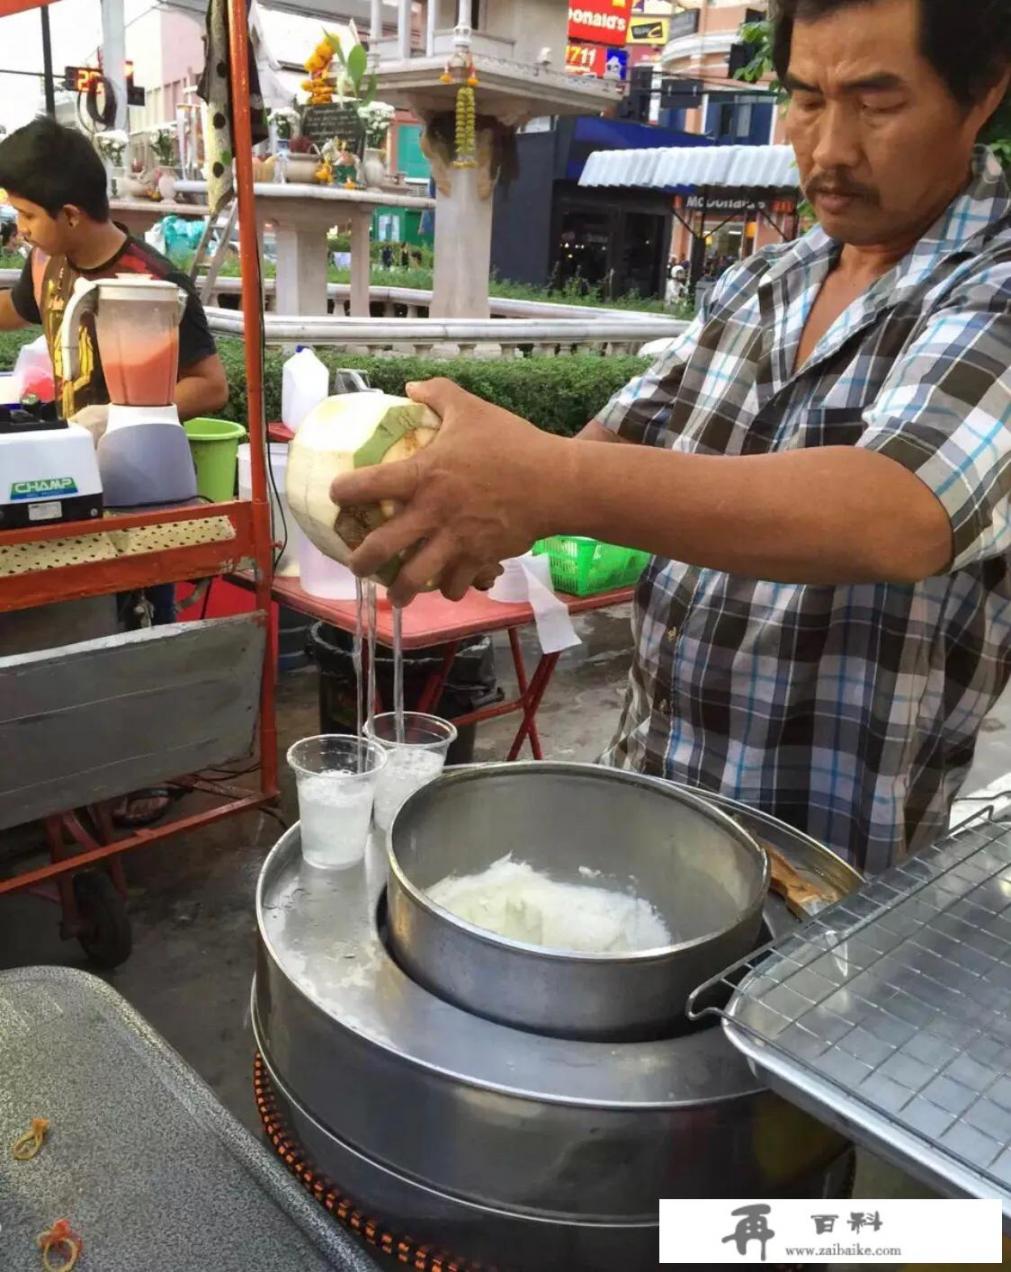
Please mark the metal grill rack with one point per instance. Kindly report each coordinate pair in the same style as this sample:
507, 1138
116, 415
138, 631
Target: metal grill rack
889, 1015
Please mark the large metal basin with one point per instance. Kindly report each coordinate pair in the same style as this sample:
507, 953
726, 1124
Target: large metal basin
705, 875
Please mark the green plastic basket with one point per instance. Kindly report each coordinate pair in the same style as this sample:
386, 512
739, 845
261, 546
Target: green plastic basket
584, 567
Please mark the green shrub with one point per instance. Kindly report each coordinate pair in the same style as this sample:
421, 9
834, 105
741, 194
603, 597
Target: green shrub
11, 342
558, 394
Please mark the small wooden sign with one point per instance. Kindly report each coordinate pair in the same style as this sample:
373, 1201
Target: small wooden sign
338, 119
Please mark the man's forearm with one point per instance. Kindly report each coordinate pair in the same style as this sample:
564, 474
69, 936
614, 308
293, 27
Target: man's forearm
596, 432
10, 319
827, 516
200, 395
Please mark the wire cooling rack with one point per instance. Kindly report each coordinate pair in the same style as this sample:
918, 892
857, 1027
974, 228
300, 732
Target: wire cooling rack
889, 1015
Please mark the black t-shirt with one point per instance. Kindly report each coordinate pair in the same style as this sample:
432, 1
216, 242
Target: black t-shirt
134, 257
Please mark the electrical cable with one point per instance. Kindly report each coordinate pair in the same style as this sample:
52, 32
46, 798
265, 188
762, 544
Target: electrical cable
276, 501
106, 117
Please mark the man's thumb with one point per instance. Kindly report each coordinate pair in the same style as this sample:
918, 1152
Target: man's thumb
436, 394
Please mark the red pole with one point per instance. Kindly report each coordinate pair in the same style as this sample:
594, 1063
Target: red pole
252, 310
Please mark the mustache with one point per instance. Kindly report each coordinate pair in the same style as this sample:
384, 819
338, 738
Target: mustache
841, 186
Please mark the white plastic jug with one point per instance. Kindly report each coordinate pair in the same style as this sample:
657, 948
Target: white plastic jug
321, 575
305, 382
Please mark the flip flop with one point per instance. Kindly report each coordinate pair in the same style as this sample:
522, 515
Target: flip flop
163, 796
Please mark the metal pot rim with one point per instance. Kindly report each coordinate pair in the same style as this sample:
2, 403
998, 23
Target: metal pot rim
637, 957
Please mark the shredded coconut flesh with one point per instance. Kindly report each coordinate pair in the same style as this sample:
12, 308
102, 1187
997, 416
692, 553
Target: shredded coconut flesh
512, 899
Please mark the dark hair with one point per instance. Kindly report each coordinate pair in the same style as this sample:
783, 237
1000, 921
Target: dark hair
968, 42
52, 166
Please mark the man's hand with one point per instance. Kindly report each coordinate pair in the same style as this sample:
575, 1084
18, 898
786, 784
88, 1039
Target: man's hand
95, 419
468, 500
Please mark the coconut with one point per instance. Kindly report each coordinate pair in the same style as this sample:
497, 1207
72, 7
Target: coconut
342, 433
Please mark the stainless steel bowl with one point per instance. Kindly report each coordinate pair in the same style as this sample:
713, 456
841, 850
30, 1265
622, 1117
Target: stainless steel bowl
704, 874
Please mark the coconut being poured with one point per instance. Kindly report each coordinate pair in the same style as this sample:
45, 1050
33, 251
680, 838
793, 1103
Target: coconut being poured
520, 903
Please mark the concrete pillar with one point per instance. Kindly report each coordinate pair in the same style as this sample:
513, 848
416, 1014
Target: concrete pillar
375, 31
114, 57
301, 273
431, 16
361, 221
462, 249
404, 28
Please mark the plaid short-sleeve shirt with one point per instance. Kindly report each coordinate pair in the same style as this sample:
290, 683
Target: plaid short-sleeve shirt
850, 712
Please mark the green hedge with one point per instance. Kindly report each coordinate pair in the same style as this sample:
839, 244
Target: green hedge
558, 394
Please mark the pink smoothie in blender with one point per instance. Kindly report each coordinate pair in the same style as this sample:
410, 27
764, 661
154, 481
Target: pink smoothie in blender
140, 352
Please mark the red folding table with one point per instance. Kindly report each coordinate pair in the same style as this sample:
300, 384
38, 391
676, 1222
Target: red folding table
430, 620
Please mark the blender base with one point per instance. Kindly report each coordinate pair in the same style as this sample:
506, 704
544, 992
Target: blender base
145, 458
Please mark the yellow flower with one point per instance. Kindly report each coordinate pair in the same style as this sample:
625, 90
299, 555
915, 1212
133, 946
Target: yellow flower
472, 80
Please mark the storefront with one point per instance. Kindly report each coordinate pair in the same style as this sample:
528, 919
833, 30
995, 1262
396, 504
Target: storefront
548, 229
727, 201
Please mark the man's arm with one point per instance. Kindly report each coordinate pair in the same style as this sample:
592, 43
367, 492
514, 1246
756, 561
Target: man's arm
202, 388
926, 488
10, 319
491, 484
596, 432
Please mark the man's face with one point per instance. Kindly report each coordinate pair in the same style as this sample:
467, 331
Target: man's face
53, 234
881, 144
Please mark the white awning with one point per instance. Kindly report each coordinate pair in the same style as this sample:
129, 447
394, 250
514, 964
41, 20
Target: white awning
685, 169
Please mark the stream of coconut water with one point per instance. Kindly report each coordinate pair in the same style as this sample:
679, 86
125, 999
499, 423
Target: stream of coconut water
363, 658
398, 672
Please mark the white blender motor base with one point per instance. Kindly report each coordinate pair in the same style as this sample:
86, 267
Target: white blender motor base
145, 458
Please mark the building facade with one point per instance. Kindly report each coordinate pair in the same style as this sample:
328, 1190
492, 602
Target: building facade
700, 93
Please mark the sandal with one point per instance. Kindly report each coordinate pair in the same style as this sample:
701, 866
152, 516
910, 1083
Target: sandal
159, 799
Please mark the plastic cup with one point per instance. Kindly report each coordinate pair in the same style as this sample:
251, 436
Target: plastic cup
412, 763
336, 776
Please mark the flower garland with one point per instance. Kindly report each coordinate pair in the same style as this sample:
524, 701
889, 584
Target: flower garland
466, 121
319, 85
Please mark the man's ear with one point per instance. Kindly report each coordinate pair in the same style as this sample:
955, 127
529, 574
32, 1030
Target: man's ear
72, 214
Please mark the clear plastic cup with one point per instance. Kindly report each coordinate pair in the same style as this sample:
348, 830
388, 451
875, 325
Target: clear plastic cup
336, 777
412, 763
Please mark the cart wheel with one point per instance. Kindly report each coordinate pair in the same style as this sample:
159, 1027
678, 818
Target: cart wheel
107, 939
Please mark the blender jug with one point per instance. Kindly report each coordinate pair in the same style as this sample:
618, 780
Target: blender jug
144, 457
139, 346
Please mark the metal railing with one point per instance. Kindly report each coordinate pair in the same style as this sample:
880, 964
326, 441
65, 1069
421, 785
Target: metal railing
516, 328
442, 337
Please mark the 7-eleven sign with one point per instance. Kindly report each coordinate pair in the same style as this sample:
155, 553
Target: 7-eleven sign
600, 21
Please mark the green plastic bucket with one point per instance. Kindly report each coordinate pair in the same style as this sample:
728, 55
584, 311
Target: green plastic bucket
215, 447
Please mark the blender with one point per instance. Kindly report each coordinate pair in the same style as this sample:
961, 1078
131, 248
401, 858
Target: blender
144, 457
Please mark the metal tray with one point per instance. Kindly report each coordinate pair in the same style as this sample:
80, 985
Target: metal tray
889, 1015
141, 1157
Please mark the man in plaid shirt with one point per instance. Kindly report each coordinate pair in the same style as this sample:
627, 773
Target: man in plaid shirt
822, 462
